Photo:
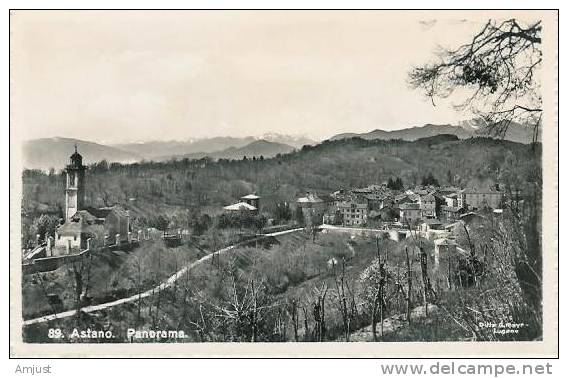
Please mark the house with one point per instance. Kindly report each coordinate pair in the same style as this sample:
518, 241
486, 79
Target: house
312, 207
333, 218
374, 201
450, 213
430, 205
460, 195
252, 199
479, 199
451, 200
353, 213
431, 225
403, 198
410, 213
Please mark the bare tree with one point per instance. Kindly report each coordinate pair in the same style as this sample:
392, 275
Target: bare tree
498, 69
293, 313
345, 299
319, 311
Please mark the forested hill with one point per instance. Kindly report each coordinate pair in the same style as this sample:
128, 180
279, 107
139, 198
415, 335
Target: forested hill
324, 168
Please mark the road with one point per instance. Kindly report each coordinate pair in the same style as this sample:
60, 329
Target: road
163, 286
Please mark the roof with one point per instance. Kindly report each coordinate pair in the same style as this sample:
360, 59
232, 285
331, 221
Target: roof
310, 198
451, 209
400, 197
444, 241
82, 222
409, 206
103, 212
250, 197
471, 215
240, 206
429, 197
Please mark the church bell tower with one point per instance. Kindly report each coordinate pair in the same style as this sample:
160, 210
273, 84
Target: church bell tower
75, 185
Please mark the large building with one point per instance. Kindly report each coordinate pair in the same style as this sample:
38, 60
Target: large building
312, 207
410, 213
478, 199
430, 205
353, 213
104, 226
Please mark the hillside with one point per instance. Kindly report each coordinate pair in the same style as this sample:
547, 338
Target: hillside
258, 148
49, 153
172, 187
466, 129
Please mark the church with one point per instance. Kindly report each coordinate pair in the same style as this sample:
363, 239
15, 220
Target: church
84, 226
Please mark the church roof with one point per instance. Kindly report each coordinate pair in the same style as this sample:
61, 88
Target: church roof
88, 220
82, 222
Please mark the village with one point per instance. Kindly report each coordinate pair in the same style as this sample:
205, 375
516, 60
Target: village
430, 211
341, 227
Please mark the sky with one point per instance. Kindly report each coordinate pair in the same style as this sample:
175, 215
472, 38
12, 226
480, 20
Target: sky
116, 77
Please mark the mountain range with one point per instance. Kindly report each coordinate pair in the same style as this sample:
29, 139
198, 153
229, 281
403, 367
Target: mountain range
466, 129
257, 149
202, 147
49, 153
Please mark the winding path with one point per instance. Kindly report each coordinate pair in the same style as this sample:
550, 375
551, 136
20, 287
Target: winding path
163, 286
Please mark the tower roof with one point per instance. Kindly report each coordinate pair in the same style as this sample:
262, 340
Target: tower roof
76, 159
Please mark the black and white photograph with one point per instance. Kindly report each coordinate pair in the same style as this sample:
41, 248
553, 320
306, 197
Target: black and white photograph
288, 178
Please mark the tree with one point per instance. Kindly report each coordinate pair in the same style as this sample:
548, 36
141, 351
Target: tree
395, 184
398, 183
283, 212
430, 180
374, 280
498, 69
45, 226
160, 222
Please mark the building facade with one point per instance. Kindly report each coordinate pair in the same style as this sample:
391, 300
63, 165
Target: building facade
479, 199
353, 213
